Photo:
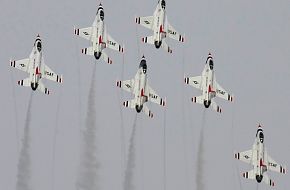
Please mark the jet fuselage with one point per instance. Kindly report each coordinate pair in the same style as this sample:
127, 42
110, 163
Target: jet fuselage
141, 81
98, 33
208, 90
35, 67
259, 162
159, 31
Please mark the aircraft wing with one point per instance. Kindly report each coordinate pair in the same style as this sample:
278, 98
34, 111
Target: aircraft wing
245, 156
50, 75
274, 166
84, 32
172, 33
127, 85
153, 97
220, 92
22, 64
145, 21
113, 44
194, 81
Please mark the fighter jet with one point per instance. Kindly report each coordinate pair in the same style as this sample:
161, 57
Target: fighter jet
140, 88
261, 161
209, 87
34, 65
98, 36
160, 26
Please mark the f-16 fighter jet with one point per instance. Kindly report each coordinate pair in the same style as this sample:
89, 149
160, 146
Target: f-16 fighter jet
209, 87
34, 65
261, 161
140, 88
99, 38
160, 26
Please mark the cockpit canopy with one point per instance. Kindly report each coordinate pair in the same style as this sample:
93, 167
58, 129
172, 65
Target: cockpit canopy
211, 64
163, 4
143, 65
102, 14
261, 137
38, 45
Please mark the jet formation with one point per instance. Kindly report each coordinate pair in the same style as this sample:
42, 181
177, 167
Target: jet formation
99, 38
208, 85
160, 26
259, 158
139, 86
142, 91
36, 68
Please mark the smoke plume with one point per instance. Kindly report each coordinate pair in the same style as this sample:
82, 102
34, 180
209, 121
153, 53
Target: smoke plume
87, 178
24, 164
130, 166
200, 156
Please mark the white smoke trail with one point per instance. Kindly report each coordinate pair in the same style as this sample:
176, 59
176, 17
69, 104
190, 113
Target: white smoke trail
200, 156
24, 164
130, 166
87, 178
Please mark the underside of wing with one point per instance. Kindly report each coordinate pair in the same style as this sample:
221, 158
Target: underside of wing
113, 44
127, 85
220, 92
194, 81
154, 97
145, 21
172, 33
84, 32
274, 166
245, 156
51, 75
22, 64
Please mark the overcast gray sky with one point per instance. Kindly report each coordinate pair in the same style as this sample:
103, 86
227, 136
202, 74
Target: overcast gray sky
249, 41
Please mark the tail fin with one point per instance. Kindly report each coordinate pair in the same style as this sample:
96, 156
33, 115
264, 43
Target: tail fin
268, 181
106, 58
88, 51
42, 88
166, 47
25, 82
249, 175
147, 111
130, 103
148, 40
215, 107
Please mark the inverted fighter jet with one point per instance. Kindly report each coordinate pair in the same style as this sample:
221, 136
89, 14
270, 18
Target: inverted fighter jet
261, 161
208, 85
160, 26
142, 91
34, 65
98, 36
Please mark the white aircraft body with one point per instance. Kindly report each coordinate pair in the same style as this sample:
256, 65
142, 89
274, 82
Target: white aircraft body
261, 161
160, 26
208, 85
142, 91
34, 65
98, 36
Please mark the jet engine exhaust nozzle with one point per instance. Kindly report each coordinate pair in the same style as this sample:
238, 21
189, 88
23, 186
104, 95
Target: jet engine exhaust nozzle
259, 178
97, 55
157, 44
139, 108
207, 103
34, 86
